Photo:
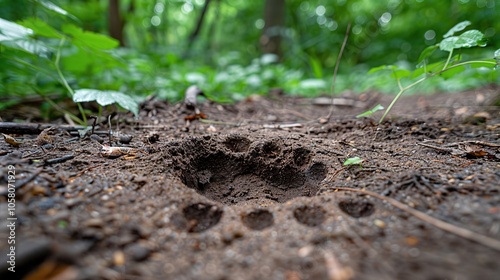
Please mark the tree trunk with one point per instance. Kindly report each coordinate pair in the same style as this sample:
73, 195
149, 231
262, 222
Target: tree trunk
274, 18
116, 23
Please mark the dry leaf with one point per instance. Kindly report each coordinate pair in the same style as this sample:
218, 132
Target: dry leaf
13, 142
44, 137
114, 152
475, 151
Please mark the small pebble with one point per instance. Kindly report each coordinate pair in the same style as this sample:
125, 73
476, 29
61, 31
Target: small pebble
96, 138
94, 222
138, 252
125, 139
118, 258
379, 223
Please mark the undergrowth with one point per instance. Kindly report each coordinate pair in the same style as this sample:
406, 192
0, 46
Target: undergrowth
40, 59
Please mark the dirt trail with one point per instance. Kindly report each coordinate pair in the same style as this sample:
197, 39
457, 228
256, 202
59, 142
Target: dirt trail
251, 193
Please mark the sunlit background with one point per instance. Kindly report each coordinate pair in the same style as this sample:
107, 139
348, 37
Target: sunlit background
163, 53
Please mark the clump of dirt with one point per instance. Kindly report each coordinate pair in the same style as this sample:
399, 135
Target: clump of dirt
258, 191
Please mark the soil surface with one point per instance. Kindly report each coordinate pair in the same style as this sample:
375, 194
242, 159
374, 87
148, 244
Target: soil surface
258, 190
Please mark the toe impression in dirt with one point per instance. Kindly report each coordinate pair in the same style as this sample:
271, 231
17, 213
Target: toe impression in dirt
235, 169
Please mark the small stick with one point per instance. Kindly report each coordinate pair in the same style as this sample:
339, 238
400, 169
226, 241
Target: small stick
442, 149
20, 184
219, 122
285, 125
462, 232
59, 160
110, 132
337, 63
482, 143
93, 124
33, 128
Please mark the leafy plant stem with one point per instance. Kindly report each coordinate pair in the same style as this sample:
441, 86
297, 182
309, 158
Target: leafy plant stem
399, 83
65, 83
465, 63
448, 60
403, 89
53, 104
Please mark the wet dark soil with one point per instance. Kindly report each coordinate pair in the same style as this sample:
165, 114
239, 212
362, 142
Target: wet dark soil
253, 192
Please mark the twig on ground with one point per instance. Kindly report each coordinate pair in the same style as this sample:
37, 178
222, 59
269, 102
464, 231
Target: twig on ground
442, 149
93, 123
219, 122
68, 119
59, 160
462, 232
21, 183
482, 143
110, 132
83, 172
282, 126
468, 149
33, 128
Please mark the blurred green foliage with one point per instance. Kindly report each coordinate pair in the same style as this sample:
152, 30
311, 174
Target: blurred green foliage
225, 59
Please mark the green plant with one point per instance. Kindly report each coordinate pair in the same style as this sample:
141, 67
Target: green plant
368, 113
446, 68
353, 161
39, 50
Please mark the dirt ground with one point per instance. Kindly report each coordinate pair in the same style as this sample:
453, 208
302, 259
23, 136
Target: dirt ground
258, 190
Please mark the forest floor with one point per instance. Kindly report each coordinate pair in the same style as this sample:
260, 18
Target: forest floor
258, 190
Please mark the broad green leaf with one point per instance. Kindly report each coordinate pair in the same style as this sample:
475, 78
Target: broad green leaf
497, 54
382, 67
428, 69
458, 27
370, 112
53, 7
82, 63
15, 36
448, 44
30, 46
452, 71
86, 62
468, 39
400, 73
427, 52
476, 36
353, 161
89, 39
41, 28
396, 72
106, 97
316, 67
10, 30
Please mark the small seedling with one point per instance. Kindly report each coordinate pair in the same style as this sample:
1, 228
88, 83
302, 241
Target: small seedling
448, 68
370, 112
353, 161
62, 224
